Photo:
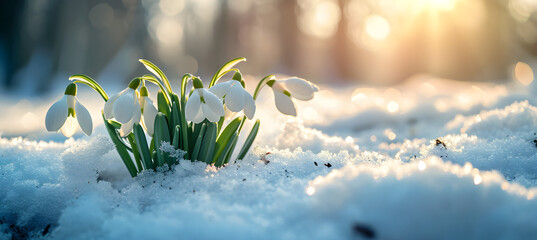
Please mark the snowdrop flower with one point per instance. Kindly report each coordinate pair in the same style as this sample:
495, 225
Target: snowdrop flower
203, 104
125, 108
148, 110
293, 87
235, 96
67, 114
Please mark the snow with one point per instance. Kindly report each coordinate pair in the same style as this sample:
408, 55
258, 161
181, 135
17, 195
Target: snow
429, 159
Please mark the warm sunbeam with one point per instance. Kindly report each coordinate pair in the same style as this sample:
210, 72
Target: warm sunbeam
444, 5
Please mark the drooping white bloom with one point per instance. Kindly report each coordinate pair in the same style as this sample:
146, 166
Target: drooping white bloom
125, 108
203, 104
127, 127
121, 106
293, 87
148, 110
235, 97
67, 114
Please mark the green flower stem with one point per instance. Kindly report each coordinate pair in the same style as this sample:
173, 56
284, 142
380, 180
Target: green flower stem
121, 149
227, 66
184, 82
155, 70
184, 132
222, 74
135, 152
261, 84
79, 78
242, 124
152, 79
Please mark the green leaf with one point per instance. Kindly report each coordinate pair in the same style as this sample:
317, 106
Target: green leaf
163, 106
135, 152
176, 137
225, 136
155, 70
162, 134
230, 152
116, 125
249, 140
199, 140
121, 149
175, 119
224, 69
221, 158
152, 146
207, 147
141, 143
220, 124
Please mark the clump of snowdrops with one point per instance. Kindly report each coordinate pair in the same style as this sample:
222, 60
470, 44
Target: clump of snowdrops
192, 121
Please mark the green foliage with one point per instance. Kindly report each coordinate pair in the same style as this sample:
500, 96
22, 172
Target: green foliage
209, 142
249, 140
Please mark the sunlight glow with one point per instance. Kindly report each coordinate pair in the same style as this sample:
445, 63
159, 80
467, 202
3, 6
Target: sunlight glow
390, 134
319, 18
421, 165
310, 191
444, 5
169, 31
171, 7
377, 27
392, 107
30, 120
523, 73
477, 179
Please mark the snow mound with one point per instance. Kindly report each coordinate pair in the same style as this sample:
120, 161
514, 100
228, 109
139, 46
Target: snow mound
429, 199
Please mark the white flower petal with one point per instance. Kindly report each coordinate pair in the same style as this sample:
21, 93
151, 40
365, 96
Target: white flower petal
124, 106
192, 107
84, 118
209, 113
109, 106
56, 115
234, 98
249, 105
150, 113
70, 126
126, 128
284, 104
213, 102
299, 88
199, 117
221, 89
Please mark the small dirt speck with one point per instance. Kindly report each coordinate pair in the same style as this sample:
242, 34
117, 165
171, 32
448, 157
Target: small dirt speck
46, 230
439, 142
315, 163
328, 165
363, 230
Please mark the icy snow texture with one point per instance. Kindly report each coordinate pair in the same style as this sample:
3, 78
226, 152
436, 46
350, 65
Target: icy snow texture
440, 167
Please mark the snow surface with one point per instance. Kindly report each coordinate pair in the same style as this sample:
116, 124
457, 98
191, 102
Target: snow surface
429, 159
